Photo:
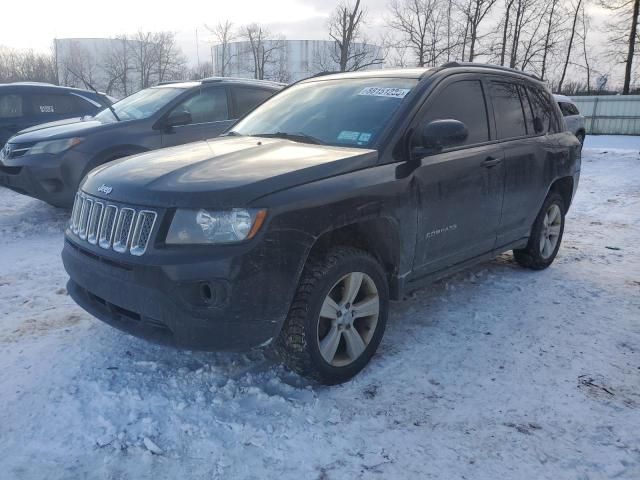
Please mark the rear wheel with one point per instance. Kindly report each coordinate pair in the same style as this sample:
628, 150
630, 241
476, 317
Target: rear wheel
580, 136
546, 235
337, 318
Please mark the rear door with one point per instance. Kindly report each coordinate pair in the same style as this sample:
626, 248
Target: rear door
49, 107
209, 109
527, 128
13, 115
460, 188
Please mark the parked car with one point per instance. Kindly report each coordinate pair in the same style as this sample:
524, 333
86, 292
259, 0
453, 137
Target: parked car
24, 104
338, 194
48, 161
573, 119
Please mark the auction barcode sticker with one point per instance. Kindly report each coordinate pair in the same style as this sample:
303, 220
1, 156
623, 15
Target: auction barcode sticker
385, 92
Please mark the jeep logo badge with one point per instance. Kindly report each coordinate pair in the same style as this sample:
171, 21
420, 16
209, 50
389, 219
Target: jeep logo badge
105, 189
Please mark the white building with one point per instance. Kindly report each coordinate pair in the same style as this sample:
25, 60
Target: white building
288, 60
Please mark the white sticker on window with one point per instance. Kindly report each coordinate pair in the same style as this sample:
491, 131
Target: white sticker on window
364, 138
46, 109
348, 135
385, 92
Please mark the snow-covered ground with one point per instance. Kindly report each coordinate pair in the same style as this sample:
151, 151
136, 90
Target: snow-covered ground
496, 373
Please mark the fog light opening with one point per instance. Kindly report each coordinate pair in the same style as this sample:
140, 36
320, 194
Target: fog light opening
206, 292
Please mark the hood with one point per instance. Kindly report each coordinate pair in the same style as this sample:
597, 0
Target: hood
70, 127
221, 173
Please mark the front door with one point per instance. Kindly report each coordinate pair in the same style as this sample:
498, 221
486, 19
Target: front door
209, 109
460, 188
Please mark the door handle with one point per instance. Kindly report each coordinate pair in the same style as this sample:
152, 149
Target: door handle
491, 162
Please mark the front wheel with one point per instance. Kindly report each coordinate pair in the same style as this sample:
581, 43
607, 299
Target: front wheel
337, 318
546, 235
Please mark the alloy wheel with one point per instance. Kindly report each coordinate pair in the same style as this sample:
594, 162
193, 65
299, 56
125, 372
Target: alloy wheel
348, 319
551, 228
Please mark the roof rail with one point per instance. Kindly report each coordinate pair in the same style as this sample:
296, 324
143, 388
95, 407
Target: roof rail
322, 74
33, 84
486, 65
169, 82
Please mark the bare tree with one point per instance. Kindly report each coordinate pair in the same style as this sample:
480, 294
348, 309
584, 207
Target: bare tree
117, 66
264, 52
170, 63
351, 50
505, 29
623, 33
424, 27
475, 13
585, 50
201, 71
79, 66
223, 34
26, 65
144, 57
572, 35
551, 34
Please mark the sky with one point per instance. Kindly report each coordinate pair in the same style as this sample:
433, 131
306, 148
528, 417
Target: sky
295, 19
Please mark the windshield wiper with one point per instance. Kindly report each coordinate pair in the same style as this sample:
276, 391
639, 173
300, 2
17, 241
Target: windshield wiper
103, 97
296, 137
231, 134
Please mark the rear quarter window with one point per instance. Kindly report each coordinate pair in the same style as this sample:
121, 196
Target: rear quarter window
11, 106
543, 109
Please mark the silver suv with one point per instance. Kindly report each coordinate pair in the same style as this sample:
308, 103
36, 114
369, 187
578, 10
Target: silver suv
573, 119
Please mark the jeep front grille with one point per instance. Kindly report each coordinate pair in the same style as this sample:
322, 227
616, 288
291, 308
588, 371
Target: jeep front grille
121, 228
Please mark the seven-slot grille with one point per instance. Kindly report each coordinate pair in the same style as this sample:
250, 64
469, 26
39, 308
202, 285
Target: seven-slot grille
123, 229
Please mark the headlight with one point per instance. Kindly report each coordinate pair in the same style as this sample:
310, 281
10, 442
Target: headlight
54, 146
214, 227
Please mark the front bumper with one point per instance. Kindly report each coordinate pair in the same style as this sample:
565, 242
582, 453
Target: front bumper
232, 299
51, 178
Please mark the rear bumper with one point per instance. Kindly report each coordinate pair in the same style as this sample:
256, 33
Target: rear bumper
235, 302
50, 178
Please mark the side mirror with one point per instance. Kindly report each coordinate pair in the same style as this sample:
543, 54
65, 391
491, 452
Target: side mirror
177, 119
440, 134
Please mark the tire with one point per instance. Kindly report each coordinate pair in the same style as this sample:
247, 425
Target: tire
543, 244
321, 319
580, 136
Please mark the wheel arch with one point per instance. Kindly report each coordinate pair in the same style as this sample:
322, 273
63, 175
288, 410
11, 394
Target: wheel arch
563, 186
378, 236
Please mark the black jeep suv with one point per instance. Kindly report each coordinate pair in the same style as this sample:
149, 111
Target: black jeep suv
333, 197
48, 161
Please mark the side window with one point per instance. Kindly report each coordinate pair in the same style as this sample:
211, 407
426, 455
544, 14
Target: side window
84, 106
572, 109
208, 105
10, 106
249, 98
565, 108
463, 101
528, 112
543, 109
508, 111
51, 104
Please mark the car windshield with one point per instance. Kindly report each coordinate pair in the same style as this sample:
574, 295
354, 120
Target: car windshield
347, 112
140, 105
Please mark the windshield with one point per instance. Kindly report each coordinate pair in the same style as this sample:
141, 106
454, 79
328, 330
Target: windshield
140, 105
347, 112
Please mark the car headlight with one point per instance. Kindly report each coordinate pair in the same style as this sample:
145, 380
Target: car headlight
54, 146
214, 227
